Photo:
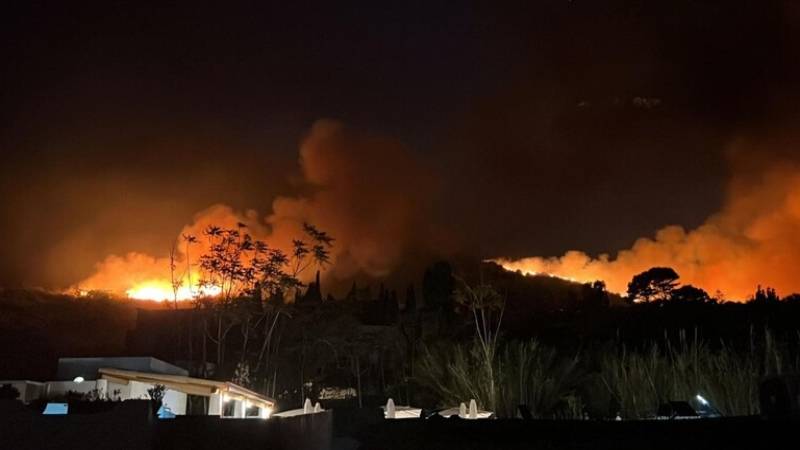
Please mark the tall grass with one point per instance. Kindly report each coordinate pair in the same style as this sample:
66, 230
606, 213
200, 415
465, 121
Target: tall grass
641, 381
523, 373
536, 376
455, 374
557, 386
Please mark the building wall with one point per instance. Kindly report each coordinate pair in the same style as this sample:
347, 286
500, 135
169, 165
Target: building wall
134, 390
175, 400
119, 391
61, 388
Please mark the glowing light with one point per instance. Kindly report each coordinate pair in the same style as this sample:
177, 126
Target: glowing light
514, 266
160, 290
150, 291
78, 379
701, 399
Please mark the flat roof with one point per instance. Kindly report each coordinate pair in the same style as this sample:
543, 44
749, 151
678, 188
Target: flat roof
87, 367
189, 385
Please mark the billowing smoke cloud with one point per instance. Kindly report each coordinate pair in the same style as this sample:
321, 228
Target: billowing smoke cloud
371, 194
754, 240
368, 192
377, 199
574, 125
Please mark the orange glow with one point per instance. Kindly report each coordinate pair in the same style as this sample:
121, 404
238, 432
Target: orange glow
152, 290
573, 266
142, 277
161, 290
362, 197
752, 241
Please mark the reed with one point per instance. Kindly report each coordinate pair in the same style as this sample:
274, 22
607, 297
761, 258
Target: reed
638, 381
525, 373
728, 378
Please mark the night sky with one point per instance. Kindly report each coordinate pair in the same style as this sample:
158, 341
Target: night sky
547, 127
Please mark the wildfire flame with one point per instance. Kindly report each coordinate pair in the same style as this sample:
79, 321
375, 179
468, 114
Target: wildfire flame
571, 267
361, 196
161, 290
752, 241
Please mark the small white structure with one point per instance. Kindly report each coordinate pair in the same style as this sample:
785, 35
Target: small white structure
473, 409
390, 411
306, 409
462, 412
119, 379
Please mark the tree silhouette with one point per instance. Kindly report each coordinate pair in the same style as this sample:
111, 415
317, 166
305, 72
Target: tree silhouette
792, 299
253, 279
595, 295
437, 285
487, 307
8, 392
655, 284
765, 296
410, 326
691, 294
437, 293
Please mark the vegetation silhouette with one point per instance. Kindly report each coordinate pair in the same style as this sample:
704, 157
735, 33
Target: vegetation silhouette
562, 349
653, 285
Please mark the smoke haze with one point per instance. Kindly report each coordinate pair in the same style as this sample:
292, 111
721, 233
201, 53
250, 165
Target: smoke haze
358, 192
754, 240
475, 130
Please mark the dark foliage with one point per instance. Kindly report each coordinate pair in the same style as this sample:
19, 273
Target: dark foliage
653, 284
369, 343
691, 294
8, 392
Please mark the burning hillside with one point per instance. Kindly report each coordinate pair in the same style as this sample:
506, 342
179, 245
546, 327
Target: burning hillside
381, 202
379, 221
357, 194
754, 240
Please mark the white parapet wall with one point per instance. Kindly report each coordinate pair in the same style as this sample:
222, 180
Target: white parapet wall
62, 388
226, 399
176, 401
134, 390
173, 399
215, 405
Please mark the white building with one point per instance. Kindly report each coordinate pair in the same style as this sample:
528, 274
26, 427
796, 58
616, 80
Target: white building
130, 378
